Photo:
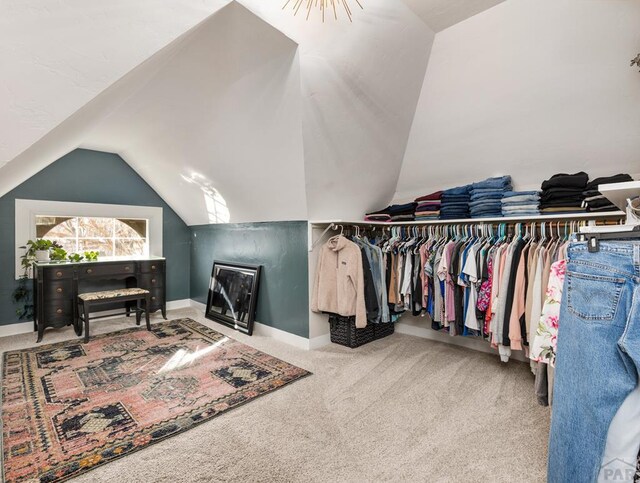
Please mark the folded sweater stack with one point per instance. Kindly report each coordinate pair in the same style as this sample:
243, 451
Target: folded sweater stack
563, 193
486, 197
428, 206
404, 212
521, 203
594, 200
455, 203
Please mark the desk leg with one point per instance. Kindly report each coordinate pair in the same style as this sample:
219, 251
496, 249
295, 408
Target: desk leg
40, 332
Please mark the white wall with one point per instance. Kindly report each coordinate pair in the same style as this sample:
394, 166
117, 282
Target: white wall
528, 88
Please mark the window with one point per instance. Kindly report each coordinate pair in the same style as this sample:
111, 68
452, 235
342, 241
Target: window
112, 230
111, 237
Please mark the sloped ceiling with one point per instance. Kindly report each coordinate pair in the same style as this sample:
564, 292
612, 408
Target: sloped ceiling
529, 88
58, 55
217, 129
357, 91
441, 14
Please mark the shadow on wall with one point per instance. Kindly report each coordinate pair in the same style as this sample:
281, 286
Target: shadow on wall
217, 209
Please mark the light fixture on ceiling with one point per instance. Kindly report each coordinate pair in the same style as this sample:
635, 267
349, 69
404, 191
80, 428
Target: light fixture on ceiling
636, 61
330, 7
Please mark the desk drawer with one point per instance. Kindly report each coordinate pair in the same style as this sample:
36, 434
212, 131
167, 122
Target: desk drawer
106, 270
58, 290
58, 311
58, 273
152, 267
150, 280
156, 297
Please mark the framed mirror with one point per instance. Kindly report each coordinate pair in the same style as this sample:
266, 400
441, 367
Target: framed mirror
233, 295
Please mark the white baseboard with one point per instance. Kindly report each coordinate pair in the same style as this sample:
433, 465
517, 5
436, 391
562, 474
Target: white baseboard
27, 327
16, 329
178, 304
466, 342
320, 341
198, 306
278, 334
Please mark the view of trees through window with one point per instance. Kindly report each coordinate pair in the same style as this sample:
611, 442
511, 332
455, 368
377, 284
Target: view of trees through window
111, 237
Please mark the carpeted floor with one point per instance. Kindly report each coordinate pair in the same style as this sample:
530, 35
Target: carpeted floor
398, 409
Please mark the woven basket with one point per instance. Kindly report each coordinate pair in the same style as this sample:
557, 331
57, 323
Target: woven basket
344, 331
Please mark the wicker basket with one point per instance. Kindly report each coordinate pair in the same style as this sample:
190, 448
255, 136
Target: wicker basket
344, 331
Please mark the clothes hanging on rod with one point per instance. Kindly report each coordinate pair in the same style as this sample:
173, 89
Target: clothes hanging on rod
476, 280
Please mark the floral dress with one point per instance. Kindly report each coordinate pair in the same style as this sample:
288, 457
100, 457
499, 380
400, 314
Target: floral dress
544, 344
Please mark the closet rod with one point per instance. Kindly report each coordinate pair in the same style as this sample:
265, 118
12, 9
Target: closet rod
329, 224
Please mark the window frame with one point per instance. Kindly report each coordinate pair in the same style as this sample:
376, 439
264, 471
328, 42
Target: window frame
27, 210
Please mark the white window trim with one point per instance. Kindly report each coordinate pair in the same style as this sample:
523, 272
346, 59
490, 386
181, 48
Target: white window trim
27, 210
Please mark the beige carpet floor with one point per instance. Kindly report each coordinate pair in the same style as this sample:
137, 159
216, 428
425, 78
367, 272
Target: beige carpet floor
398, 409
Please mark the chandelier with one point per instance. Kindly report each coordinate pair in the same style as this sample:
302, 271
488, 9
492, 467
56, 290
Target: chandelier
328, 7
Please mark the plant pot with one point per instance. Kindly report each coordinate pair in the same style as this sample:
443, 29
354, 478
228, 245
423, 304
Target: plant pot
43, 256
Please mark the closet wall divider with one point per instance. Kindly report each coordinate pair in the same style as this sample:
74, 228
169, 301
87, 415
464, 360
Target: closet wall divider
320, 231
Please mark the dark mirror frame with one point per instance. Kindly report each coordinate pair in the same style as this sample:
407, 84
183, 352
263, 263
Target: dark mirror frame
251, 314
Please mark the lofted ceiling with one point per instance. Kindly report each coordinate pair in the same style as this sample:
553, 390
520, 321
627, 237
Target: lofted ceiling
499, 98
441, 14
239, 111
315, 123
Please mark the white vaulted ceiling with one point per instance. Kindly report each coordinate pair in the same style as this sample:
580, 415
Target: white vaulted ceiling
441, 14
279, 124
239, 111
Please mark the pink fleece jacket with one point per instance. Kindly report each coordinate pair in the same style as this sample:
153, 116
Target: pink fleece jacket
339, 281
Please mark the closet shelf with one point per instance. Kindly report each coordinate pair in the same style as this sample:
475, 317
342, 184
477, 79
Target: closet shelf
504, 219
618, 193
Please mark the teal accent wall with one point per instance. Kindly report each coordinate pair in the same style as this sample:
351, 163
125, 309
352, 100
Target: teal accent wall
92, 177
281, 249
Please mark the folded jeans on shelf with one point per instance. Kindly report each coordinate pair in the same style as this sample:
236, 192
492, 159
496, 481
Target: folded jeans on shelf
486, 196
497, 182
460, 190
509, 194
521, 203
521, 199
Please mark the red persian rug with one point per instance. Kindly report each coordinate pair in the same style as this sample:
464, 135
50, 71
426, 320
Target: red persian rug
69, 407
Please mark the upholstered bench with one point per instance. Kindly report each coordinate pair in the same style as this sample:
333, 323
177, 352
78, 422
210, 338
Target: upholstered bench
90, 300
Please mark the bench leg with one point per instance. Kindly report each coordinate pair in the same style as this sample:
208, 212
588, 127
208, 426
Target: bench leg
138, 312
86, 310
146, 311
77, 321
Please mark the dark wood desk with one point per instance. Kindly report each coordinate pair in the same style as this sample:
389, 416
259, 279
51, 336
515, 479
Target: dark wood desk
56, 287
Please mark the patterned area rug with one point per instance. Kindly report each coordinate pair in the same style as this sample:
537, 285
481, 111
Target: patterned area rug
70, 407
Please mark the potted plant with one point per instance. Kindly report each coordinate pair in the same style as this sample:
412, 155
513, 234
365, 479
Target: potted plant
39, 249
75, 257
58, 254
91, 256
